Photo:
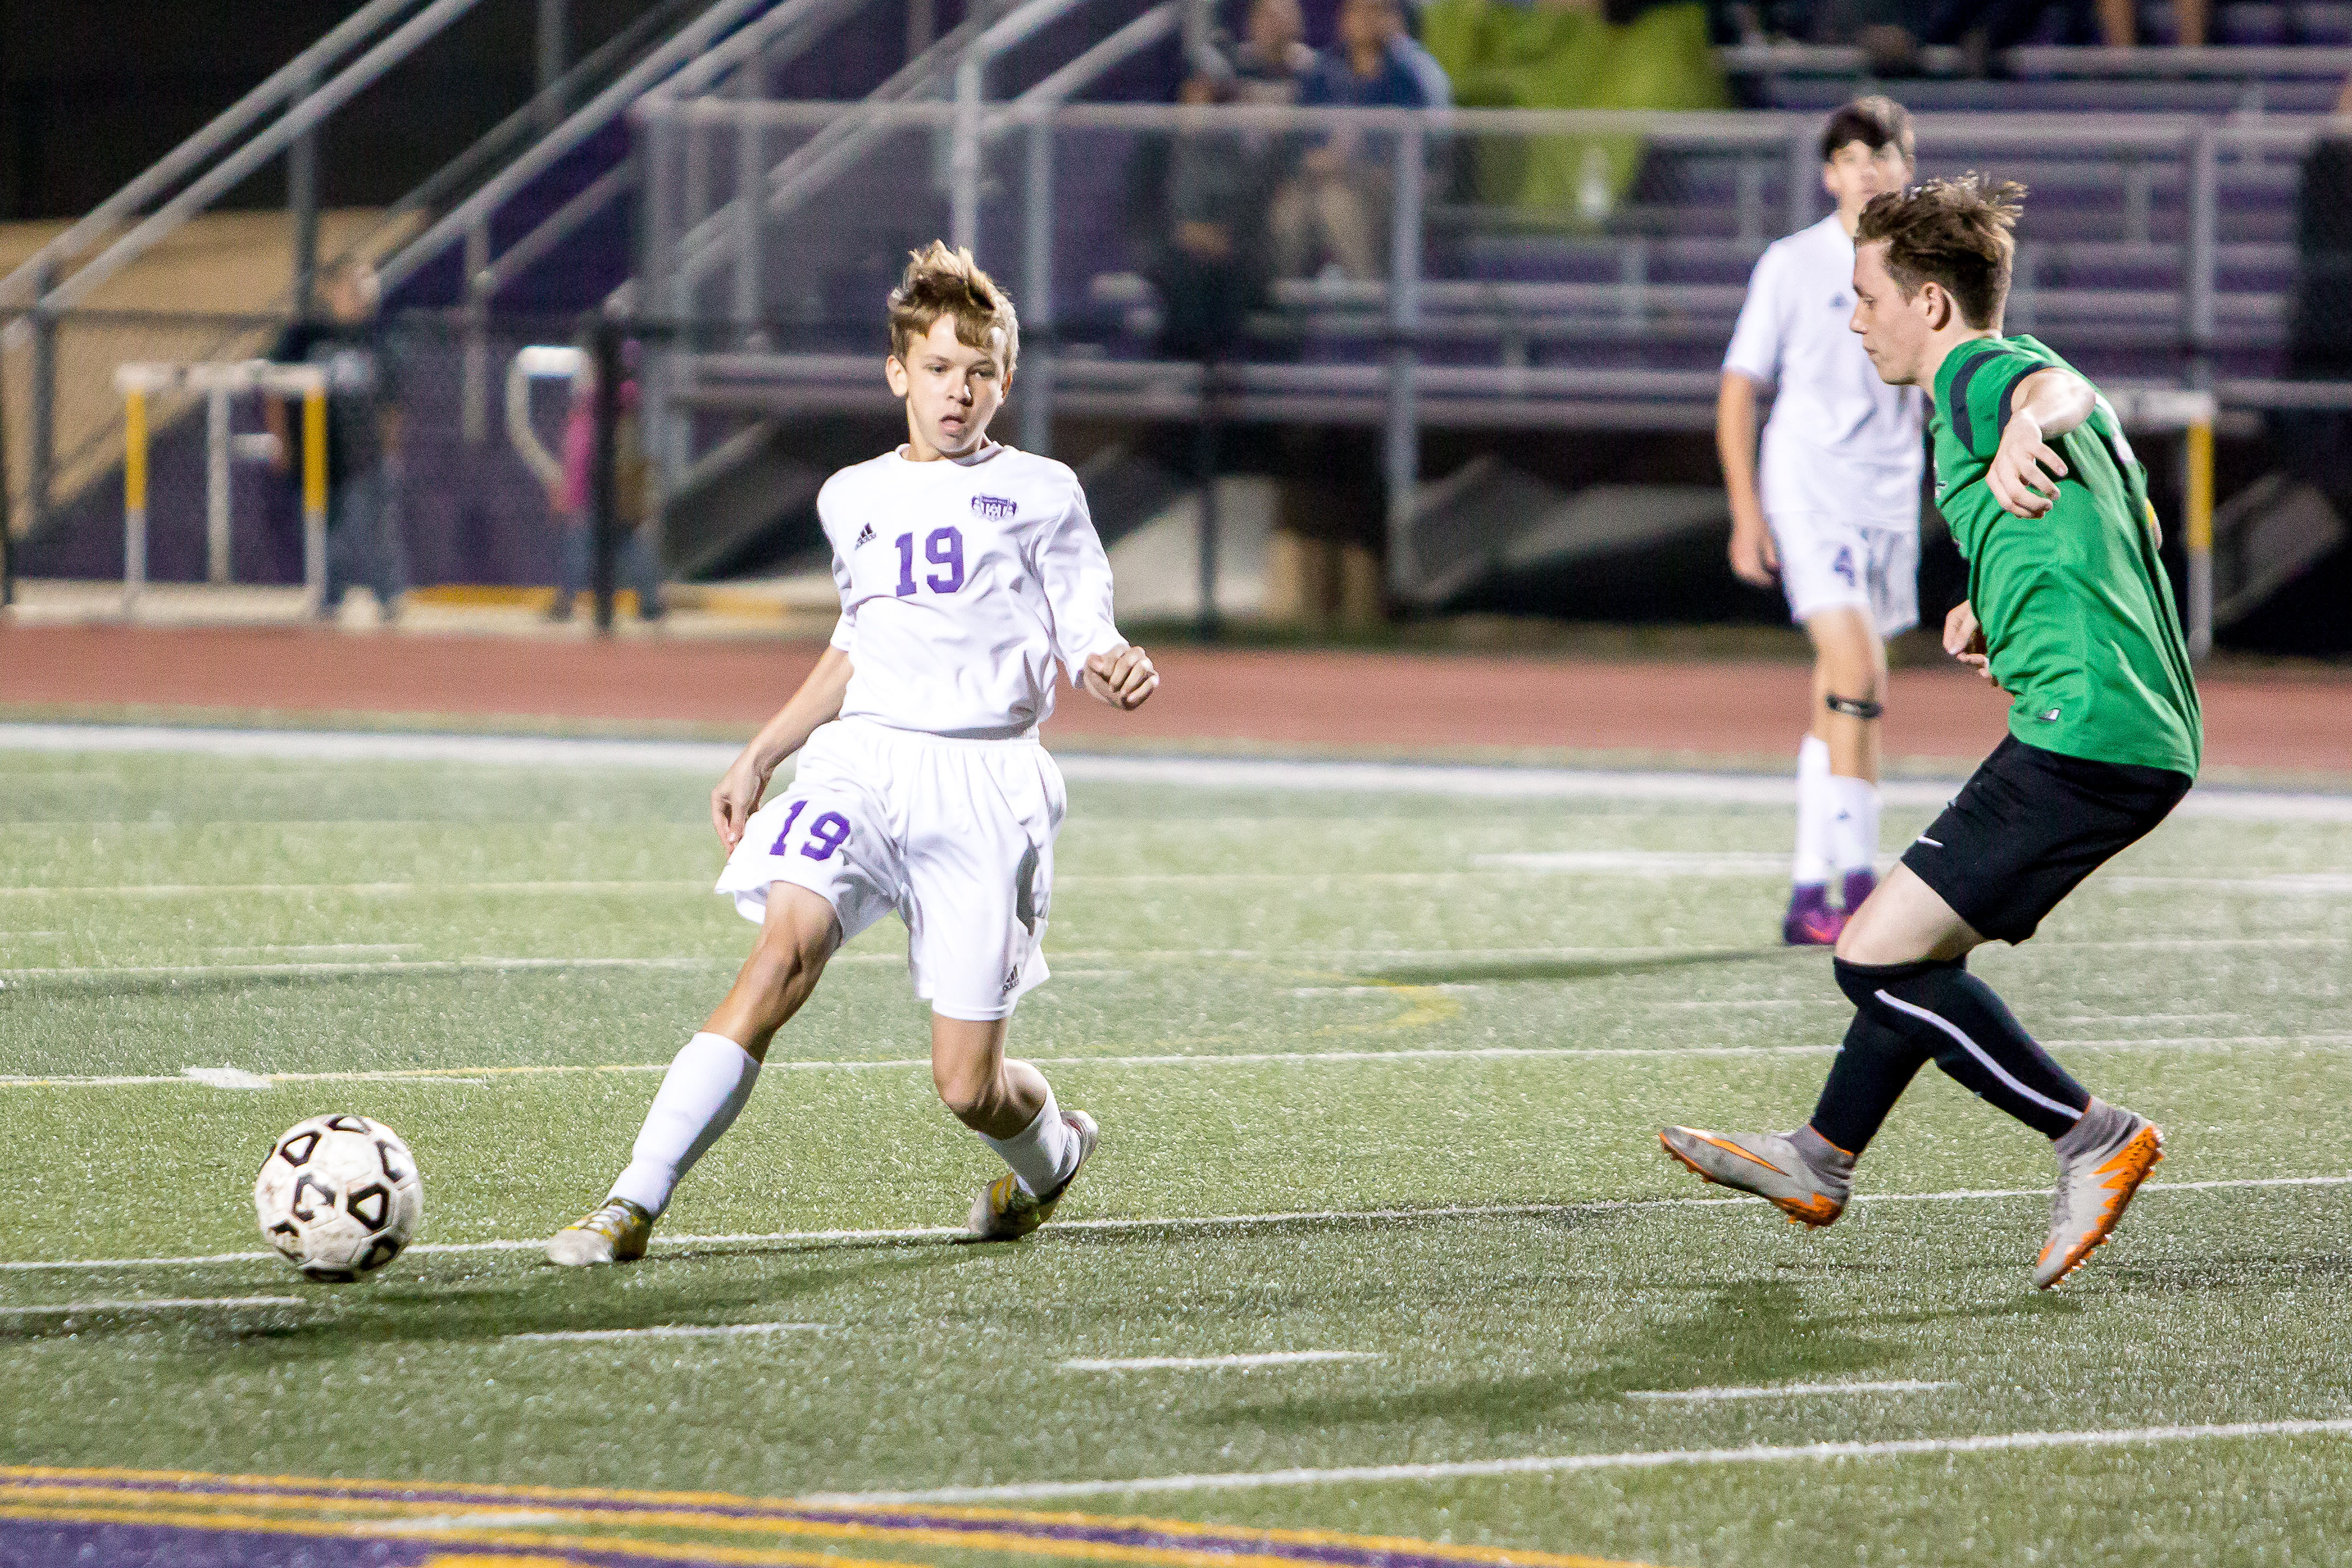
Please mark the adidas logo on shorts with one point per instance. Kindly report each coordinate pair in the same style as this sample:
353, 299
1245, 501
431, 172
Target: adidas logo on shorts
1013, 980
865, 537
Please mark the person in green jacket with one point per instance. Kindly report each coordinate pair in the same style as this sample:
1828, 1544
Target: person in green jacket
2069, 613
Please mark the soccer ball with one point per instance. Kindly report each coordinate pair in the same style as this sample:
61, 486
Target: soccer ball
339, 1196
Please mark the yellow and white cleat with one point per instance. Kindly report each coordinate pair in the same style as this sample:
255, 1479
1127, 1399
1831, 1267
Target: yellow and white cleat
616, 1233
2101, 1163
1766, 1163
1005, 1210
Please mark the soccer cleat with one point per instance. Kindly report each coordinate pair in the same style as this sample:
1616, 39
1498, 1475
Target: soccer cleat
616, 1233
1855, 887
1007, 1211
2095, 1184
1811, 923
1765, 1164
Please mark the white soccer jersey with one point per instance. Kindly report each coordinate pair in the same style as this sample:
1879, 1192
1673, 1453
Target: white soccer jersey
1840, 442
963, 581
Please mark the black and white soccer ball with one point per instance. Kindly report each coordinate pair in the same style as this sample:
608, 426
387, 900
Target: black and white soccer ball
339, 1196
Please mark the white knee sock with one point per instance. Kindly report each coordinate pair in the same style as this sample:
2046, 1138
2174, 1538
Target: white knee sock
707, 1084
1854, 826
1814, 808
1042, 1154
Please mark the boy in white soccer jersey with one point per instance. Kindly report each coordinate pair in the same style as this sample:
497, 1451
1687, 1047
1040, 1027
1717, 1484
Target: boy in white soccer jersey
1836, 518
966, 569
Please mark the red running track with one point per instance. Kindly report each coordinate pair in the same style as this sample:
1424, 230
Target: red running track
1274, 699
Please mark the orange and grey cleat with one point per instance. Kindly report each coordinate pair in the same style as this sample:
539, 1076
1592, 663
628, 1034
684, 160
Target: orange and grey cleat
1766, 1163
2101, 1163
1007, 1211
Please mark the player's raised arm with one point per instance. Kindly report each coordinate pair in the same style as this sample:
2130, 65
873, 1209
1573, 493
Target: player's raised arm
818, 701
2026, 469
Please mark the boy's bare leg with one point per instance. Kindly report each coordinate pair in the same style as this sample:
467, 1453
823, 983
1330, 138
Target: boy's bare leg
1011, 1107
1849, 688
709, 1080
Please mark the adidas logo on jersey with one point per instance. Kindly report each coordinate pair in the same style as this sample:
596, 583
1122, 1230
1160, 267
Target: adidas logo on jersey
865, 537
996, 509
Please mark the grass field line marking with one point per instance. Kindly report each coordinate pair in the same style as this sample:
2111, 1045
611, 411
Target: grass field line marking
238, 1079
152, 1304
1213, 1363
1194, 1222
483, 965
708, 759
671, 1332
1566, 1464
1788, 1390
372, 890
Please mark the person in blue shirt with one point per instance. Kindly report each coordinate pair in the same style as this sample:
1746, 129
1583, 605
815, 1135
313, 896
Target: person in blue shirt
1334, 212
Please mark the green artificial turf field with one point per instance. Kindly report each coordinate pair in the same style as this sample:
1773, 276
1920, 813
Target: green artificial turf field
1378, 1100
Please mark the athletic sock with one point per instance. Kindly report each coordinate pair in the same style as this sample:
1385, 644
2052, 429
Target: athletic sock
706, 1086
1042, 1154
1871, 1069
1854, 823
1815, 805
1831, 1165
1943, 1010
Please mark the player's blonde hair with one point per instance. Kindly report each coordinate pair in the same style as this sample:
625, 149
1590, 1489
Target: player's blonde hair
1956, 233
940, 281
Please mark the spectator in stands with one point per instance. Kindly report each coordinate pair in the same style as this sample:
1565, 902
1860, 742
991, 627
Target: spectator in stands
573, 498
1983, 26
1335, 210
1269, 62
362, 376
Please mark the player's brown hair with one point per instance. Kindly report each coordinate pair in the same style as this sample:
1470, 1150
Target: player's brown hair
1956, 233
940, 281
1875, 121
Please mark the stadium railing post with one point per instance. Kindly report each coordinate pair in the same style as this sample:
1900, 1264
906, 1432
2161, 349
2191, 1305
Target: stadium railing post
1401, 453
42, 431
7, 531
1037, 293
216, 518
314, 495
605, 339
134, 494
2198, 448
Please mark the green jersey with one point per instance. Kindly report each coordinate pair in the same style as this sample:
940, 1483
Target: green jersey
2076, 610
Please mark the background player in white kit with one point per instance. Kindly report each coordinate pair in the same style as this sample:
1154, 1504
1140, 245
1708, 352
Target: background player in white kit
1837, 515
966, 569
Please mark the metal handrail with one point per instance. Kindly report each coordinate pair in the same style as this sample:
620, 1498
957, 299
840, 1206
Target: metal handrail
301, 119
971, 72
2240, 62
1160, 21
582, 124
279, 85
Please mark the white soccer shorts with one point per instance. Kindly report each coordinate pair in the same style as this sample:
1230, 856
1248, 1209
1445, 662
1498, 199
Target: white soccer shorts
956, 835
1827, 562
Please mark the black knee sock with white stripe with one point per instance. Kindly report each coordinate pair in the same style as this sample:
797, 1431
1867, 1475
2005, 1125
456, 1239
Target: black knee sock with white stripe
1943, 1011
1873, 1069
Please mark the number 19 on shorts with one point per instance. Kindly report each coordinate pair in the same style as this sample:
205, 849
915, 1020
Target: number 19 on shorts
826, 834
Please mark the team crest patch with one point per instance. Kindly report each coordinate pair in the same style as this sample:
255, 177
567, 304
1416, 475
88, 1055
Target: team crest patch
2049, 717
996, 509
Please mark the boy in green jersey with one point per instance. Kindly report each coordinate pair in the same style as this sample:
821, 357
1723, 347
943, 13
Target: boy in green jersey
2069, 612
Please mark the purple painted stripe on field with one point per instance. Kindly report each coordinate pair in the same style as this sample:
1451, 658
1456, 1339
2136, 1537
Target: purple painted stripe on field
1211, 1542
39, 1543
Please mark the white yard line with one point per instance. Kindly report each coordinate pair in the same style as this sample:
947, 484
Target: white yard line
1785, 1390
234, 1077
1568, 1464
1202, 1222
364, 890
1215, 1362
152, 1304
710, 759
386, 966
671, 1332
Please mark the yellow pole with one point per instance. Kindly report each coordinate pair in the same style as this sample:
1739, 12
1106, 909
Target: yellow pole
2200, 503
134, 497
314, 496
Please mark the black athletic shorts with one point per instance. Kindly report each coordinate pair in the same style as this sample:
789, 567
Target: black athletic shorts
2029, 826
